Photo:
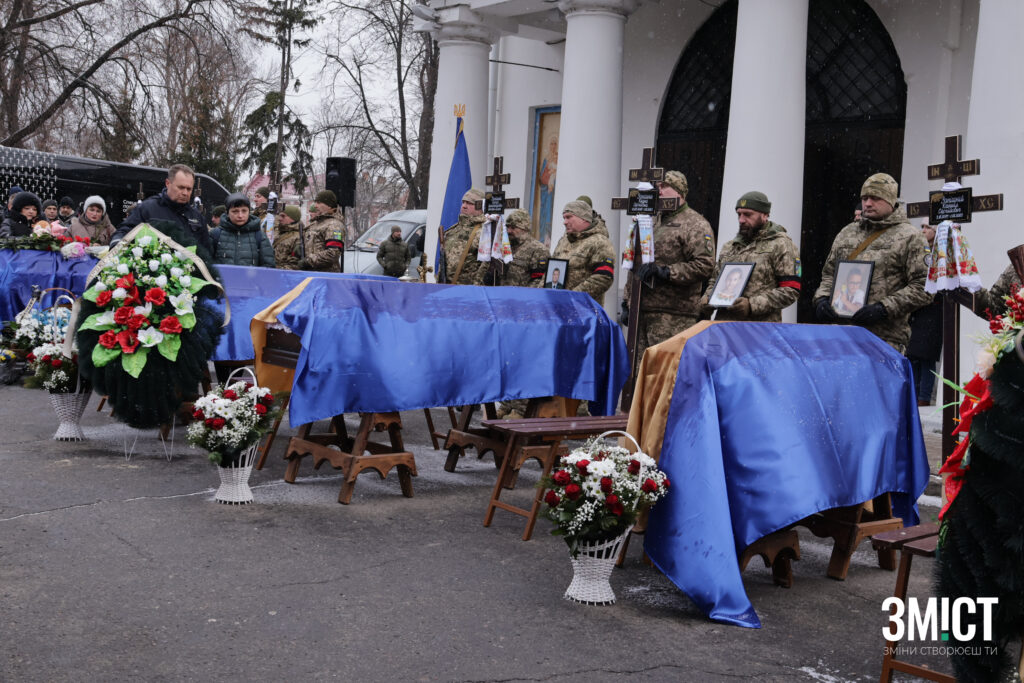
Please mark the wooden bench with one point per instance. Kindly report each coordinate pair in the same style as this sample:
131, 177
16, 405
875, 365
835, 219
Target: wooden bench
849, 526
778, 550
538, 439
916, 540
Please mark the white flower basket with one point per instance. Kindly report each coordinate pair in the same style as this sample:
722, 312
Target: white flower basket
234, 480
591, 571
69, 408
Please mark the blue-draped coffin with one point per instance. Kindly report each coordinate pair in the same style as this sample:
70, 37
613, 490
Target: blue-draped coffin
21, 269
384, 346
770, 423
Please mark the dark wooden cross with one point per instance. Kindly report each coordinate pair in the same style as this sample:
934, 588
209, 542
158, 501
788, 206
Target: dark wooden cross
639, 202
496, 202
952, 170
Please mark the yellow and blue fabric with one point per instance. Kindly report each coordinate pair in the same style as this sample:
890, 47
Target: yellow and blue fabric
760, 425
380, 346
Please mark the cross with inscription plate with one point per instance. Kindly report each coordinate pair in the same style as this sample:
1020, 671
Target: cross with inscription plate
639, 203
495, 202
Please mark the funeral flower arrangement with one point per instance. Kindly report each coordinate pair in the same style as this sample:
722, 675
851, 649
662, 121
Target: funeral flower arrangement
228, 420
34, 326
1005, 329
146, 299
598, 491
47, 239
52, 370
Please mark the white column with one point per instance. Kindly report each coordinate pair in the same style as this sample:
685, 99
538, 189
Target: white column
995, 134
767, 112
590, 140
462, 79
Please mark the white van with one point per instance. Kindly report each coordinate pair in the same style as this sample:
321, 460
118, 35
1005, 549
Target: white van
361, 255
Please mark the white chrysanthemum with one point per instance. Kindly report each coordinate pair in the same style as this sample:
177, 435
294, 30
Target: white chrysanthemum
100, 287
160, 281
137, 252
145, 240
122, 268
154, 265
119, 293
166, 258
185, 281
601, 468
177, 272
150, 336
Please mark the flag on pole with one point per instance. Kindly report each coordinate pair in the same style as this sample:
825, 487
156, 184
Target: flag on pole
460, 180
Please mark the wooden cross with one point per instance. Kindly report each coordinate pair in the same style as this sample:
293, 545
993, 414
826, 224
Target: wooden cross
495, 199
639, 202
952, 170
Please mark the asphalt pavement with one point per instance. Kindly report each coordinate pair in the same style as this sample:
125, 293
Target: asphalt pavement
115, 568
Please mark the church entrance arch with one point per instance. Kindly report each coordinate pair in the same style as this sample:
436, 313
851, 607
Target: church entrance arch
856, 109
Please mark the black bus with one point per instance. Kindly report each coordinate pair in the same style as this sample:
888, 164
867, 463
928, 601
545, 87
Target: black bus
52, 176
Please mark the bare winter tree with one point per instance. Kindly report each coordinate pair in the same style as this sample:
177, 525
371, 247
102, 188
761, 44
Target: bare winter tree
391, 74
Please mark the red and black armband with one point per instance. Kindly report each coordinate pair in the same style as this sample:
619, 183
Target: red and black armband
605, 267
335, 240
788, 281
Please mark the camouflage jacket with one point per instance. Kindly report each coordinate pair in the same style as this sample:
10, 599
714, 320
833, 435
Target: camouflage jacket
393, 257
992, 299
286, 247
529, 265
897, 281
325, 243
466, 231
775, 282
591, 259
683, 241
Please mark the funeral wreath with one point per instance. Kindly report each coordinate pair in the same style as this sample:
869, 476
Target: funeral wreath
231, 419
597, 492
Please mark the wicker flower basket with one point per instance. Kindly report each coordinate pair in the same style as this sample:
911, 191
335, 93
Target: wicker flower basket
69, 408
591, 571
234, 480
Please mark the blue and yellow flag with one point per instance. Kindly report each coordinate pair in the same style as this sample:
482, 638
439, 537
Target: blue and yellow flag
460, 180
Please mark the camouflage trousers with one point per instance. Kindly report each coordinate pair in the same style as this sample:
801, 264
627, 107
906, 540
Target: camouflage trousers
654, 328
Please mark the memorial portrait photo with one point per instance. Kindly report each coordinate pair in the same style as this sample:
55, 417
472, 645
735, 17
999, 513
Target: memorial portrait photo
853, 280
555, 277
730, 284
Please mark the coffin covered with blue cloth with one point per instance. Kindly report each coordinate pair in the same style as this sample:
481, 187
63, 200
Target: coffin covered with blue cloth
380, 346
21, 269
766, 424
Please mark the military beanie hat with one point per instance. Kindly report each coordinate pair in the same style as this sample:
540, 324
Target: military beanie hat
580, 210
473, 195
219, 210
677, 181
883, 186
518, 219
327, 197
755, 201
293, 212
264, 192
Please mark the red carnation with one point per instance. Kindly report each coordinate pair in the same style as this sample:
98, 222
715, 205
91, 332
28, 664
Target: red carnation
561, 477
216, 423
634, 467
611, 500
198, 415
30, 357
666, 483
45, 359
156, 296
582, 467
267, 400
230, 394
123, 314
137, 322
606, 484
104, 297
128, 340
573, 491
126, 282
551, 498
56, 362
649, 486
170, 325
261, 409
108, 339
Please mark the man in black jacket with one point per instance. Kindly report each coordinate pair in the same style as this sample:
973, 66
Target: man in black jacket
173, 204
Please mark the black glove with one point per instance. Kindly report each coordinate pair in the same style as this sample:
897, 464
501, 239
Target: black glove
824, 311
649, 272
740, 310
706, 311
304, 264
624, 313
869, 315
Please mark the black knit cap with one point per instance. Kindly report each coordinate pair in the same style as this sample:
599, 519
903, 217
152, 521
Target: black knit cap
23, 199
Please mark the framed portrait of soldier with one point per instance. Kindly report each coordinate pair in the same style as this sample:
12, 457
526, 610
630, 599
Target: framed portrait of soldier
851, 287
730, 283
557, 270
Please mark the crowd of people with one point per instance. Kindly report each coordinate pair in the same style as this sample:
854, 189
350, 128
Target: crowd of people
26, 215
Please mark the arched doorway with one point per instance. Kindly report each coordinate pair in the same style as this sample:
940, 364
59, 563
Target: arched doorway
856, 108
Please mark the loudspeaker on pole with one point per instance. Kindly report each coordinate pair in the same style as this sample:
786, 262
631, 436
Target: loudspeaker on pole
340, 179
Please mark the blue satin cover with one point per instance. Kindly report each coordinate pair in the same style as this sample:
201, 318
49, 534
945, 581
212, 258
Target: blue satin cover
770, 423
21, 269
383, 346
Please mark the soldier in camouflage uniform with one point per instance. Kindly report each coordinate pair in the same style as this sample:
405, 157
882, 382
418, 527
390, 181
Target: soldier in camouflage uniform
684, 257
992, 299
589, 251
325, 237
286, 247
529, 257
775, 281
898, 251
393, 254
462, 240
